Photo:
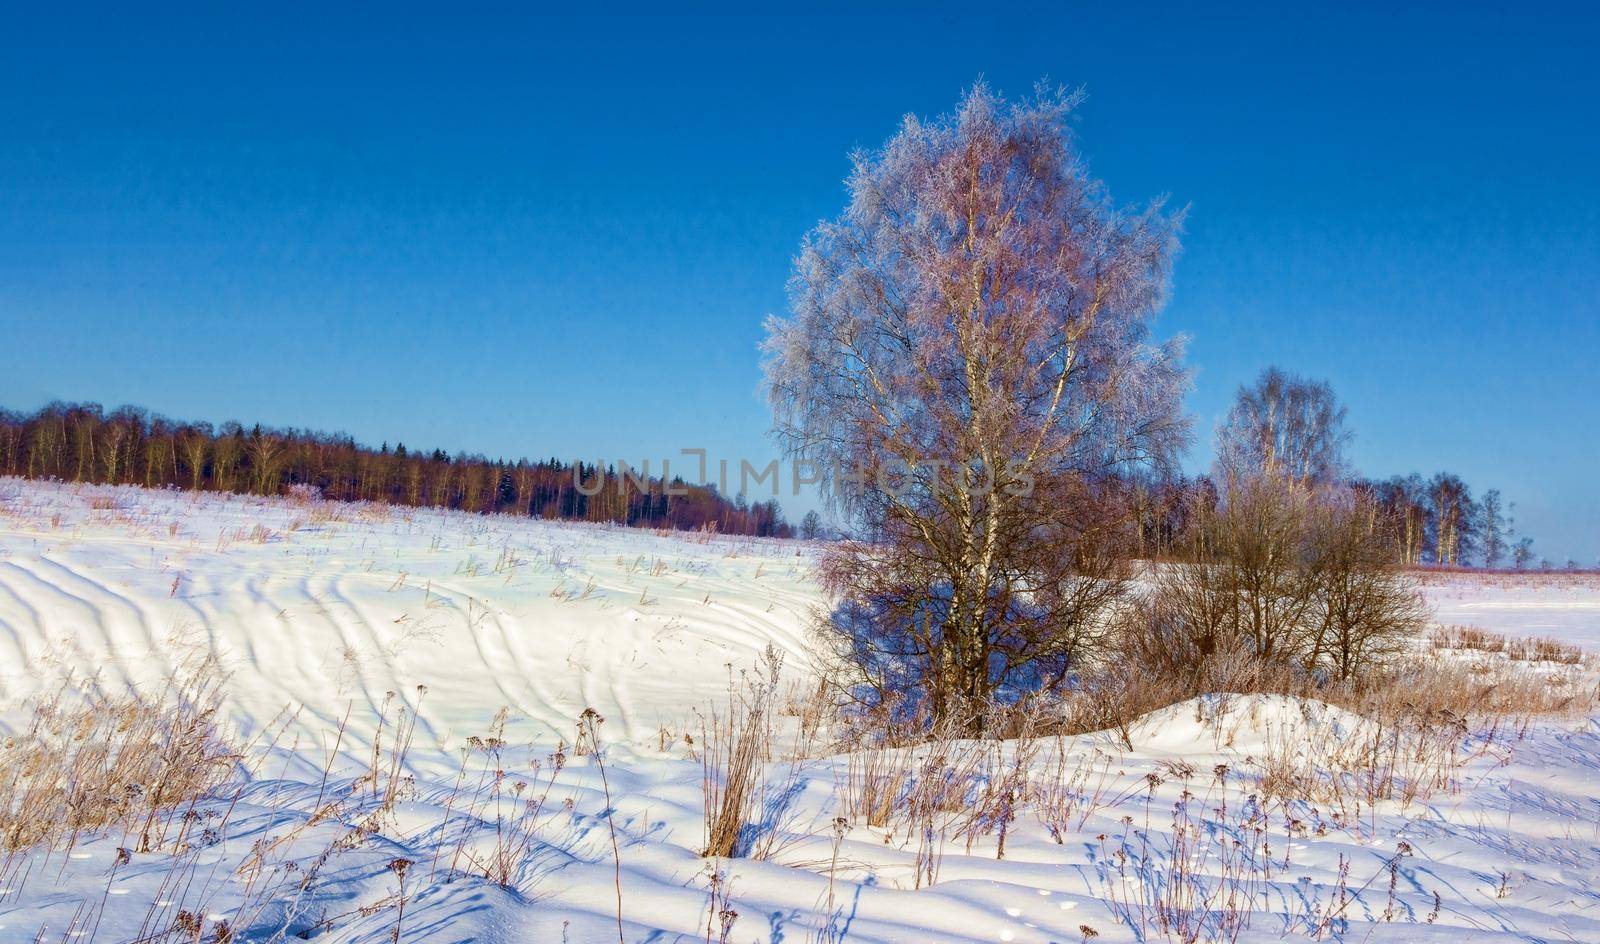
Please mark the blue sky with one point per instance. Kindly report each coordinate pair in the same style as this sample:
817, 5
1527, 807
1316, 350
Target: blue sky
510, 233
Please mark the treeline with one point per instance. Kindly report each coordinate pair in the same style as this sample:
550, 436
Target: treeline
1433, 521
130, 446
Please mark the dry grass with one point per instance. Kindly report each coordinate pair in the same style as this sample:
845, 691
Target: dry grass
1348, 773
736, 744
1481, 692
875, 782
1072, 785
1405, 731
949, 786
1518, 648
98, 764
1536, 679
1201, 880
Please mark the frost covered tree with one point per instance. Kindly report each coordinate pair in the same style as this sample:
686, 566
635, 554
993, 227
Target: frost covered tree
1284, 425
967, 358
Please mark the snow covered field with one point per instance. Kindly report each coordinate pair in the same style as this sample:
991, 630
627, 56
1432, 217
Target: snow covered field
336, 614
1558, 605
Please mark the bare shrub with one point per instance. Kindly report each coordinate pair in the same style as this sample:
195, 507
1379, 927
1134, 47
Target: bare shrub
303, 494
1286, 573
1364, 610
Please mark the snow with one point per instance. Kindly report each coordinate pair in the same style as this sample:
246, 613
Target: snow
331, 608
326, 605
1563, 606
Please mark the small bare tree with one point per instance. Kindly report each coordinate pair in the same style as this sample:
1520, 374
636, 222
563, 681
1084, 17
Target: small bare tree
967, 360
1494, 529
192, 443
1245, 578
1363, 607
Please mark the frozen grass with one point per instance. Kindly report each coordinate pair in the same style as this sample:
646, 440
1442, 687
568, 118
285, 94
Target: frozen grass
1194, 834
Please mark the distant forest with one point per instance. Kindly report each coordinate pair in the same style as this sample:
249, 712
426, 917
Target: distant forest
1433, 521
130, 446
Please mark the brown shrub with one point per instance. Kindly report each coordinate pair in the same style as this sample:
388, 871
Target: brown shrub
1288, 573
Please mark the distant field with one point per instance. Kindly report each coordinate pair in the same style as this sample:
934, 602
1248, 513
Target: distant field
1561, 605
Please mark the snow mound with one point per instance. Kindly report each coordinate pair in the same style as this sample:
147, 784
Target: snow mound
1217, 724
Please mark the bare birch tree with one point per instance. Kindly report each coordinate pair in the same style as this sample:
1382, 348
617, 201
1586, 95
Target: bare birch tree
1284, 425
1454, 519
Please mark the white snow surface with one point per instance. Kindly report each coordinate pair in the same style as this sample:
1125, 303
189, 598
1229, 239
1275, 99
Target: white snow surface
1559, 605
339, 612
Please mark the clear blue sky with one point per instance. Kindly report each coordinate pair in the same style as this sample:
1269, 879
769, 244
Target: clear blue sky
497, 231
